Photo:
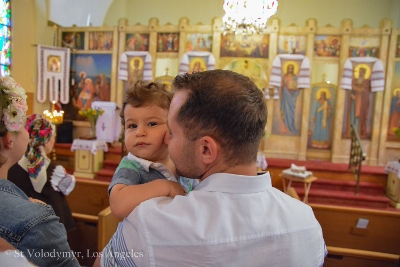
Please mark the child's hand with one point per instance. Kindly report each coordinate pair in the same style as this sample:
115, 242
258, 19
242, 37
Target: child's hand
175, 189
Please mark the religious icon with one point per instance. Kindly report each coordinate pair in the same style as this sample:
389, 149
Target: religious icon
359, 99
90, 74
394, 112
291, 44
321, 116
327, 46
73, 40
288, 121
101, 40
168, 42
398, 46
53, 63
197, 64
364, 47
135, 70
137, 42
198, 42
237, 45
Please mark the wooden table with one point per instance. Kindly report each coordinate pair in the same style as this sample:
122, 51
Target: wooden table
307, 183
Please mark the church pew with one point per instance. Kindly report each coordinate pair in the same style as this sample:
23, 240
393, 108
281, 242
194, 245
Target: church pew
107, 225
352, 246
345, 257
88, 199
89, 196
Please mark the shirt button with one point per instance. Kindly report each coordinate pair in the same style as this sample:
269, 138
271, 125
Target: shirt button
157, 165
167, 175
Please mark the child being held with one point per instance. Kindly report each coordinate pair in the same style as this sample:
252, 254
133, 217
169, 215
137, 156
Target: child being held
147, 171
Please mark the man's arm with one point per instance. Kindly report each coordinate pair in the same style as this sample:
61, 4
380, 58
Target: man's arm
124, 199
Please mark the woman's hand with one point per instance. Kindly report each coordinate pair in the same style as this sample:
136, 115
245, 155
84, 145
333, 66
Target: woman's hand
36, 201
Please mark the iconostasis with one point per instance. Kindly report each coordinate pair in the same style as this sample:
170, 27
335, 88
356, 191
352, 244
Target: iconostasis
317, 80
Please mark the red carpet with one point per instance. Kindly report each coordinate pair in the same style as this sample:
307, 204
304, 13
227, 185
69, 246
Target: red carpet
314, 165
339, 189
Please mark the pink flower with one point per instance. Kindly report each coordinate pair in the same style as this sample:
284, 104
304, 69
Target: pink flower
43, 133
20, 104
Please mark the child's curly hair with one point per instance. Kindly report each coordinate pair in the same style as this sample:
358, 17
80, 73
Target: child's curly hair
146, 93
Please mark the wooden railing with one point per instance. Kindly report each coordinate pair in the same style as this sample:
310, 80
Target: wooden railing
357, 156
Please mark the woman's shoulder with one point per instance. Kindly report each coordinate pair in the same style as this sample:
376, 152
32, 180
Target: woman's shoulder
9, 190
17, 211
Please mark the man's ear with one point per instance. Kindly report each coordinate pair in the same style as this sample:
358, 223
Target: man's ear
208, 149
6, 141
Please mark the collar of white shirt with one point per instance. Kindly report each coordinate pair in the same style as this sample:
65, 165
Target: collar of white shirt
232, 183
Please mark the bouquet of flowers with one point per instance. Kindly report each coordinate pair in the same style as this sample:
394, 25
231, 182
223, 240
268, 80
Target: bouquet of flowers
396, 131
92, 115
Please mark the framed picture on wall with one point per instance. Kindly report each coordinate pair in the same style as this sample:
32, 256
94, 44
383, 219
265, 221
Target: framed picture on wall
394, 116
358, 107
168, 42
398, 46
364, 47
327, 45
73, 40
91, 76
292, 44
198, 42
135, 70
137, 42
101, 40
322, 110
290, 104
255, 46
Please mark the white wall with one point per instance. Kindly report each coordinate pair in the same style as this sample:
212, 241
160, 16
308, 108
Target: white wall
108, 12
30, 20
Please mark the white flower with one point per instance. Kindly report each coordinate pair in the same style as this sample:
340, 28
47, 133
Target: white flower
14, 87
15, 100
13, 118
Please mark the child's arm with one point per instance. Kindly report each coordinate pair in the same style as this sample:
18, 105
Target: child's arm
123, 198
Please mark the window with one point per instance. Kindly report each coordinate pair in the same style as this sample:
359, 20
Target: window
5, 34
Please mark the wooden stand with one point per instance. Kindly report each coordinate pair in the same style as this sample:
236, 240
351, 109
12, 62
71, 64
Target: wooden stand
89, 156
393, 190
87, 164
393, 183
307, 183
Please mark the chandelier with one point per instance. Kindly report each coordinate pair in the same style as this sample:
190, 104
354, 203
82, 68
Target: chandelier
247, 16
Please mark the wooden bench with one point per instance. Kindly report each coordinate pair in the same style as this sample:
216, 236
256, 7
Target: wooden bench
376, 245
107, 225
346, 257
88, 199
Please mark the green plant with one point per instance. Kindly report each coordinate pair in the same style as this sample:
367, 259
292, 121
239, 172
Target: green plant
92, 116
396, 131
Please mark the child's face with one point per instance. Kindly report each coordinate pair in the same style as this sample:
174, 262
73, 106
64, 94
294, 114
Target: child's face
145, 130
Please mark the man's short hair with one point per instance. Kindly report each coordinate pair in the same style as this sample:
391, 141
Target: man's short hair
226, 106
